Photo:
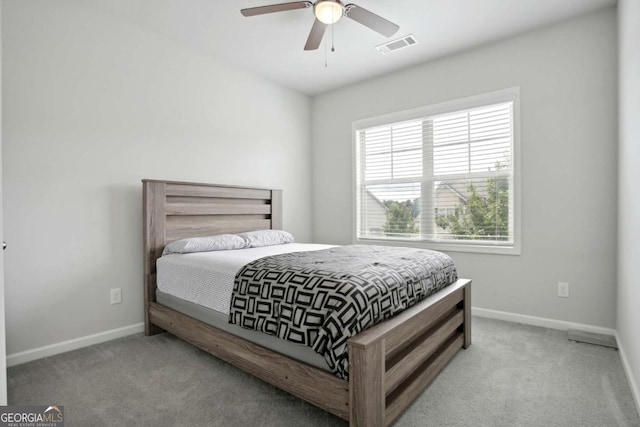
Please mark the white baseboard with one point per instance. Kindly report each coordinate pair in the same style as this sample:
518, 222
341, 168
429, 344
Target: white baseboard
74, 344
540, 321
627, 370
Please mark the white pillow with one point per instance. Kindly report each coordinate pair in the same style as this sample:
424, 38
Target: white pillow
256, 239
220, 242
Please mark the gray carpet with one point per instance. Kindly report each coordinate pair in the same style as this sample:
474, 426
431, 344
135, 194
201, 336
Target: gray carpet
512, 375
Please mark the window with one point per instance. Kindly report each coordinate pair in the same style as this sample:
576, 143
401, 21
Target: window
443, 175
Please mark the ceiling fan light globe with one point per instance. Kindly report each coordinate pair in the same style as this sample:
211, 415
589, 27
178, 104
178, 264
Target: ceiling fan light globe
328, 12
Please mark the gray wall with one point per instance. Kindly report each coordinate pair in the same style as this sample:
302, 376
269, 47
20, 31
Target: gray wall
629, 196
92, 106
567, 78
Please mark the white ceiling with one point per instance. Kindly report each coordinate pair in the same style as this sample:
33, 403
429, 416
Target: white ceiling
272, 45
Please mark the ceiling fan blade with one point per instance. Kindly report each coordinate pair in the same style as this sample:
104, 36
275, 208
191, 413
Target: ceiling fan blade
315, 36
371, 20
282, 7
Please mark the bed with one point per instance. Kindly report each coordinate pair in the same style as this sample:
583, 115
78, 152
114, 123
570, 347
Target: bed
390, 364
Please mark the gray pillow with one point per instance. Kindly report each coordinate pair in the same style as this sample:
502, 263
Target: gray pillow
256, 239
220, 242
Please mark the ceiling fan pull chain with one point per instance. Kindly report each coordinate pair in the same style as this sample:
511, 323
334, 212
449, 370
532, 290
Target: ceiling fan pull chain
333, 49
333, 11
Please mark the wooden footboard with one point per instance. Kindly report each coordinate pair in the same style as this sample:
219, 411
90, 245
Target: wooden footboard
393, 362
390, 364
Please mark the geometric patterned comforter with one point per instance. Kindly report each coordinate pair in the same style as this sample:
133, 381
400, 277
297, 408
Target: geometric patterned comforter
322, 298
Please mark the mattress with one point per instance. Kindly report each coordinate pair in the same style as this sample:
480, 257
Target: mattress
200, 285
206, 278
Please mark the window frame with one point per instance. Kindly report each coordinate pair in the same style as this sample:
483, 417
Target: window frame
496, 97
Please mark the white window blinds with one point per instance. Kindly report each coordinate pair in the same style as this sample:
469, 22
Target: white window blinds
441, 177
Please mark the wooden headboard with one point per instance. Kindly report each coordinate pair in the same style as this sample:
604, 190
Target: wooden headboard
177, 210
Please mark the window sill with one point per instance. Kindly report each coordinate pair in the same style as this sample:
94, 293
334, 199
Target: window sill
443, 246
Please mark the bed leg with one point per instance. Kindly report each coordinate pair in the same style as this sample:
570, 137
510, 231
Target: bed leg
151, 329
366, 389
150, 297
467, 315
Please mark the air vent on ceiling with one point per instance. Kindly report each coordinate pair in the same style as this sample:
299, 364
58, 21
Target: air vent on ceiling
397, 44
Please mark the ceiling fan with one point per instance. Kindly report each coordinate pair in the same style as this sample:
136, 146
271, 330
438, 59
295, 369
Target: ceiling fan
328, 12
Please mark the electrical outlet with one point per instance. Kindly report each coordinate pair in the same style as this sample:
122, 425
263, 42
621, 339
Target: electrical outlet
563, 289
116, 296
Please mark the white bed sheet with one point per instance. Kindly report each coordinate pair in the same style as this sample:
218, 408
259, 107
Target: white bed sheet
206, 278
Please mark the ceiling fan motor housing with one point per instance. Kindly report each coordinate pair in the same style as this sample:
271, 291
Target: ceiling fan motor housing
328, 11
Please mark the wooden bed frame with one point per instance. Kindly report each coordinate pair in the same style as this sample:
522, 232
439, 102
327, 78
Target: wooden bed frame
390, 364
